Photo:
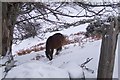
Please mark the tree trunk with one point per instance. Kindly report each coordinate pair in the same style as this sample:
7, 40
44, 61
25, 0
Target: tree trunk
9, 15
0, 29
108, 47
5, 31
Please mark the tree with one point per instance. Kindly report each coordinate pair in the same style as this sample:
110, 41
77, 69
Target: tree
108, 48
8, 21
109, 43
109, 34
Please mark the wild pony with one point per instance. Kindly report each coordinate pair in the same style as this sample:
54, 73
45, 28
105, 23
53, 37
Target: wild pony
55, 41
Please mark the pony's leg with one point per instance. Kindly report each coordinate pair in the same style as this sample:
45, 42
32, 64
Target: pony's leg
58, 50
51, 54
47, 55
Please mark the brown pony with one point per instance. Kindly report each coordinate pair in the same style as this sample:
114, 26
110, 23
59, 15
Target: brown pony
55, 41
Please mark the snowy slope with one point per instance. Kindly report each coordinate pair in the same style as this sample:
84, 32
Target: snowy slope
68, 60
37, 69
66, 64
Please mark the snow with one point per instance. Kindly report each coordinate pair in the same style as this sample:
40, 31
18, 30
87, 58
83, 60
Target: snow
37, 69
65, 65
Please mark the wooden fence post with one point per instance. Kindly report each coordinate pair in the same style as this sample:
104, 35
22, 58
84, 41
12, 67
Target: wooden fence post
107, 55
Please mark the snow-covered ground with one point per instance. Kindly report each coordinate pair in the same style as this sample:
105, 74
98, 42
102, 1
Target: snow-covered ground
66, 64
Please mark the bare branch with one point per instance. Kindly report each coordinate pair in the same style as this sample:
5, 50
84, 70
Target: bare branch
107, 4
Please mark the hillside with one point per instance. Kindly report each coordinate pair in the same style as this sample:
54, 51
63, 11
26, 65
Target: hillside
65, 65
